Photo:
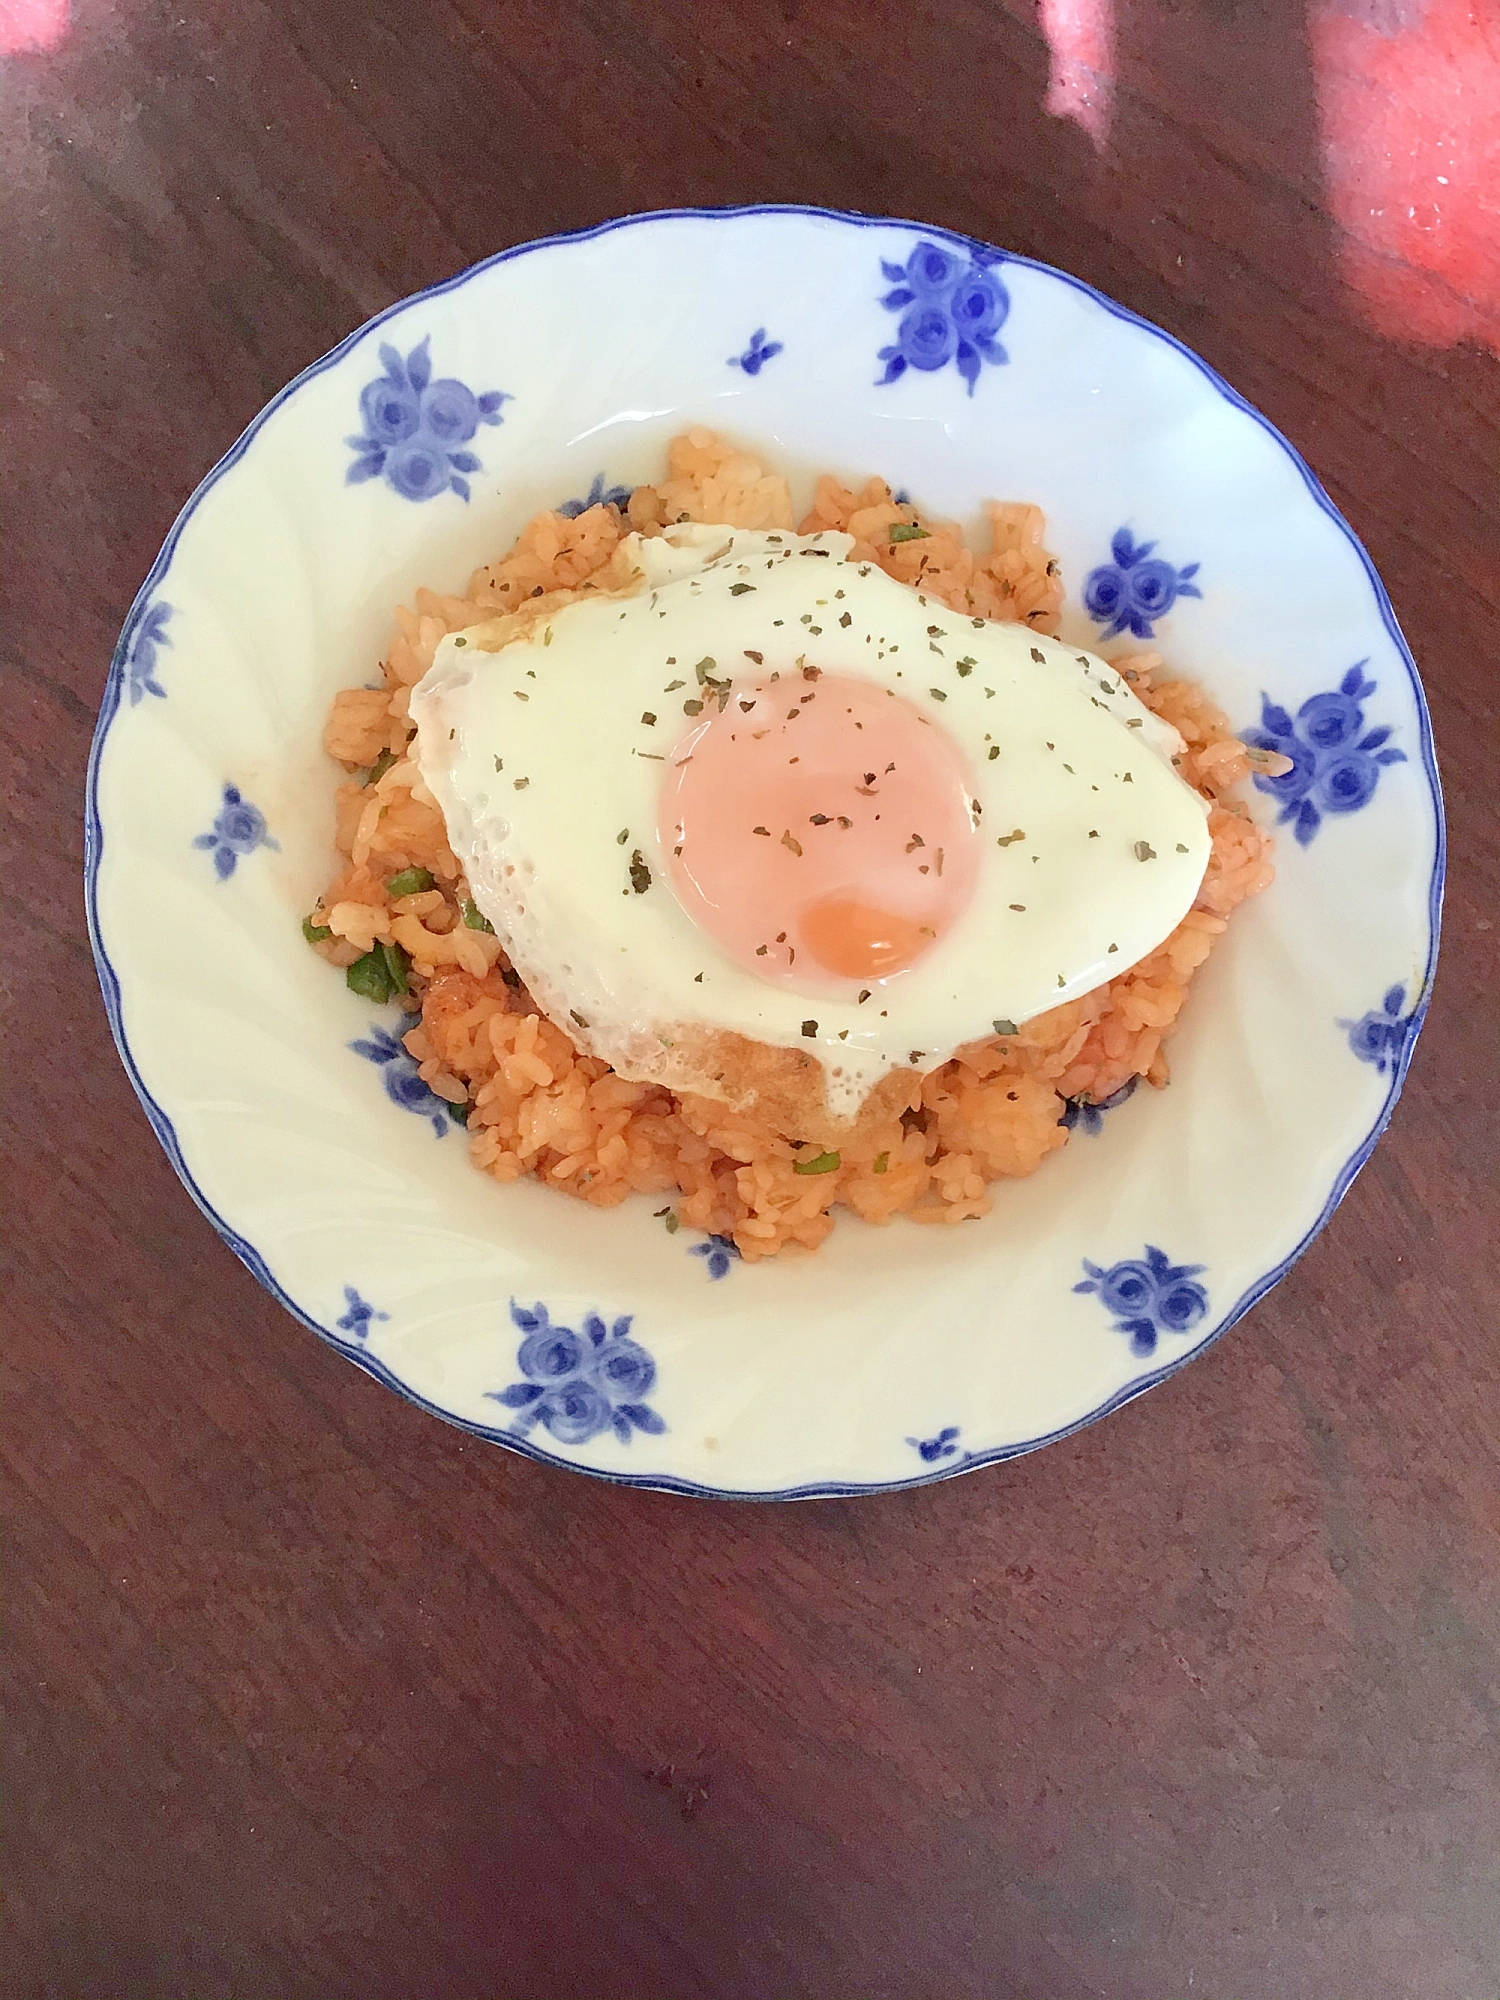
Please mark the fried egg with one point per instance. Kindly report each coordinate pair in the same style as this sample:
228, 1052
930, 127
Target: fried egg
757, 791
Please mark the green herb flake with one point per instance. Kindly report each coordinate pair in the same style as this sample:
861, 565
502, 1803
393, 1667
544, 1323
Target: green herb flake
907, 531
739, 589
1005, 1028
410, 882
825, 1163
459, 1113
994, 751
882, 1161
1181, 847
1144, 851
315, 933
706, 668
965, 666
622, 836
381, 765
845, 617
648, 720
475, 919
937, 694
640, 874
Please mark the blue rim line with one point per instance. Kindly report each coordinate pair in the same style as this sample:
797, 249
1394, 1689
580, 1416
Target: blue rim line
161, 1124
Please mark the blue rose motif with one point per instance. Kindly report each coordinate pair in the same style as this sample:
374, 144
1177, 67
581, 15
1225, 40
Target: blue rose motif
415, 429
978, 304
417, 471
579, 1383
237, 831
1134, 589
951, 305
624, 1371
931, 271
573, 1412
1336, 761
551, 1353
140, 657
398, 1072
391, 410
1328, 721
718, 1253
450, 413
1148, 1296
927, 337
1381, 1036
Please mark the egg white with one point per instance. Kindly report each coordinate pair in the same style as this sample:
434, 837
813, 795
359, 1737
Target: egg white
548, 779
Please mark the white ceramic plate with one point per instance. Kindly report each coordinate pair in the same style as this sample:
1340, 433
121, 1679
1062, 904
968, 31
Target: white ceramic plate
596, 1340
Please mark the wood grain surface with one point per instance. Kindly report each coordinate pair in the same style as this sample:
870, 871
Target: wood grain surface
308, 1695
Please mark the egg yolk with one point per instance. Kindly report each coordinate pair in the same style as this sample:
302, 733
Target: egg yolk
821, 829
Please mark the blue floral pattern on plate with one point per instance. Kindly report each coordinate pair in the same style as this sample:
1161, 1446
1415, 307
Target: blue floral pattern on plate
578, 1384
358, 1315
416, 431
1148, 1296
951, 308
758, 351
238, 830
140, 661
1336, 762
718, 1252
1380, 1037
1135, 588
931, 1450
1079, 1113
398, 1072
598, 495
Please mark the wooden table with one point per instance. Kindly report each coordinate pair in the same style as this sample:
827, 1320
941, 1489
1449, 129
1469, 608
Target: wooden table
310, 1695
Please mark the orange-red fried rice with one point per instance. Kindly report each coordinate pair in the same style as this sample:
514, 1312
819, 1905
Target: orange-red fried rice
537, 1105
